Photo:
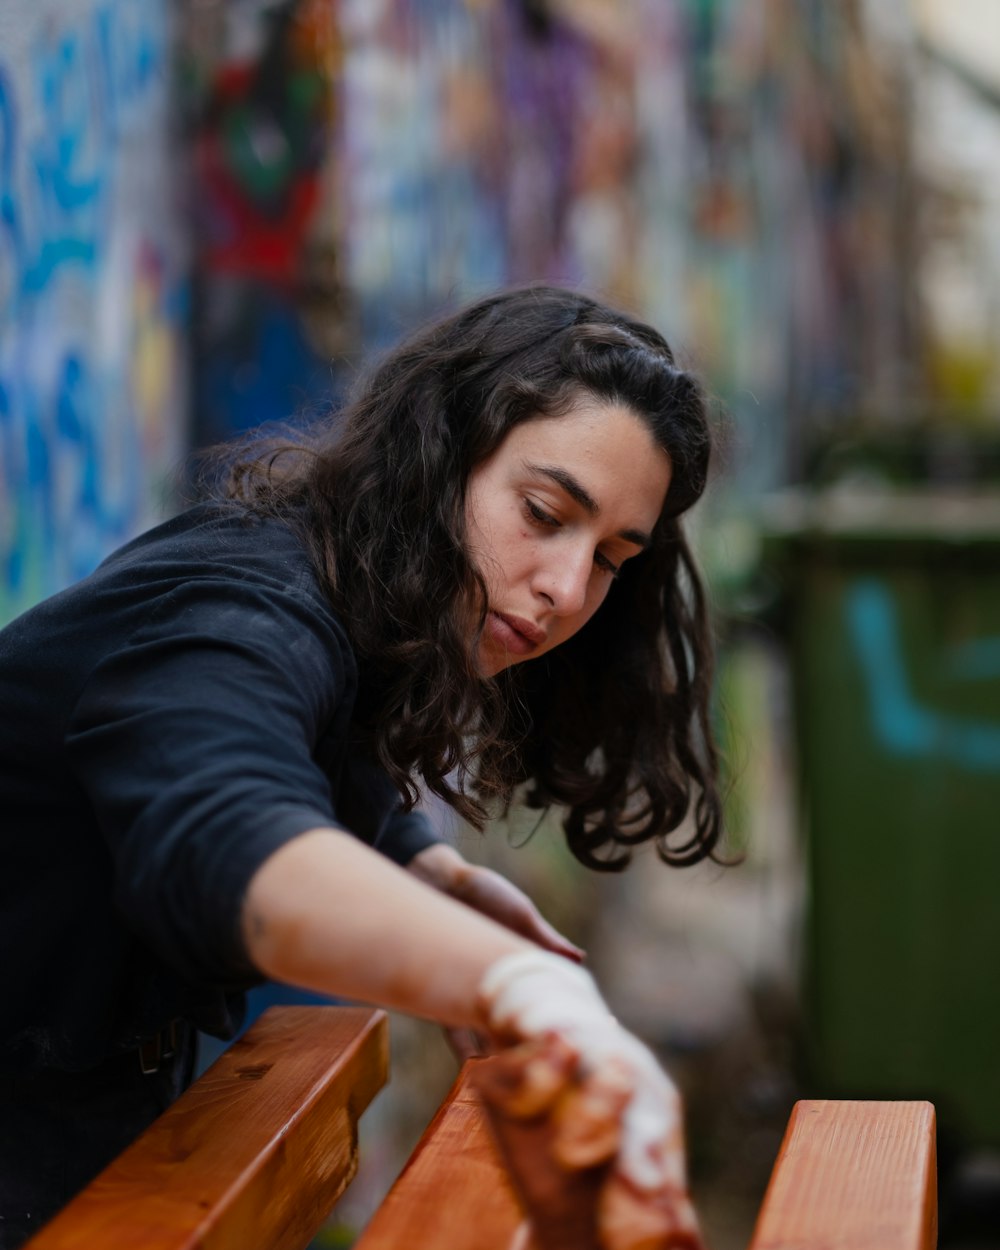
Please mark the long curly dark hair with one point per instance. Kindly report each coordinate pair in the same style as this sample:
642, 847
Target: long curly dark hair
613, 725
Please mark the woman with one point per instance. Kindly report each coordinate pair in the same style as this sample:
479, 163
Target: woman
475, 579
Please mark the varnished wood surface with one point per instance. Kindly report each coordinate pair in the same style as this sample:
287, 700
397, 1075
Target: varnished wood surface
849, 1176
853, 1176
454, 1193
253, 1155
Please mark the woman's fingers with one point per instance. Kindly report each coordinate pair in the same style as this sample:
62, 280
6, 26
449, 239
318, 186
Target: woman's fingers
560, 1127
588, 1118
652, 1155
522, 1089
524, 1082
466, 1043
633, 1219
493, 895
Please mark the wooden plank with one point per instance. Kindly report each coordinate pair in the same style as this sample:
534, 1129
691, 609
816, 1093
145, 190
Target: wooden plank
254, 1154
853, 1176
454, 1192
850, 1176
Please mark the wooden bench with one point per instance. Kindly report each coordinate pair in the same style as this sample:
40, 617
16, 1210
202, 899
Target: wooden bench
255, 1154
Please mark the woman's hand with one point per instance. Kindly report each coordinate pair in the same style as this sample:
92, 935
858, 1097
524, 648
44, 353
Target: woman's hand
486, 891
531, 995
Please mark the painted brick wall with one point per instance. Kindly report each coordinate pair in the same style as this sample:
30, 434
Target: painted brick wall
92, 286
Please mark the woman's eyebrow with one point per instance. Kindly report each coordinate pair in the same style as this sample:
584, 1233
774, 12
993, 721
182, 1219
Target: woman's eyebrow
585, 499
570, 485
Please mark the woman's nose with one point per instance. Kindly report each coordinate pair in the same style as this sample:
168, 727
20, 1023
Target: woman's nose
565, 579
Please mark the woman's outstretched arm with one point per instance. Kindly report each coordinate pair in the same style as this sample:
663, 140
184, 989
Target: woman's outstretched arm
327, 913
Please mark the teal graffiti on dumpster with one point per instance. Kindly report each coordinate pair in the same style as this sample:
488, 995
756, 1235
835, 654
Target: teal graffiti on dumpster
902, 724
976, 661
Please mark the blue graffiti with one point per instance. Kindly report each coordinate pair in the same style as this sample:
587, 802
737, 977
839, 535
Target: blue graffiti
902, 724
71, 481
12, 554
77, 110
58, 160
9, 218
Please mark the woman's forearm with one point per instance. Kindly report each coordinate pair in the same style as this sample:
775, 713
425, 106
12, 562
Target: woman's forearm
327, 913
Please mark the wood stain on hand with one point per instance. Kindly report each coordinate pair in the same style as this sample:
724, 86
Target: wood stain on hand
558, 1131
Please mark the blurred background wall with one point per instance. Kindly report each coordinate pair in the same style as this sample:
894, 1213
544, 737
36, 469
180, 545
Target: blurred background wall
93, 281
212, 211
801, 195
737, 171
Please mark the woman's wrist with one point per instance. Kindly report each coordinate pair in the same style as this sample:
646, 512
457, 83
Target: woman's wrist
526, 992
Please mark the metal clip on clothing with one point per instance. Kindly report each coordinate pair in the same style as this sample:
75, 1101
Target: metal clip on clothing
154, 1050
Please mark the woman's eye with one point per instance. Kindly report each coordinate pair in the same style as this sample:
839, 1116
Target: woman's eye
605, 565
539, 516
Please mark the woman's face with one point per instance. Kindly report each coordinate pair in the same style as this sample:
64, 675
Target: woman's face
552, 515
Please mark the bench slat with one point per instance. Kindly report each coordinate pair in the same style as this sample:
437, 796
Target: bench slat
259, 1149
454, 1191
254, 1154
853, 1176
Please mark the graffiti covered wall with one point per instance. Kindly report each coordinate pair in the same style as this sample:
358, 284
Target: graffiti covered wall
92, 281
718, 166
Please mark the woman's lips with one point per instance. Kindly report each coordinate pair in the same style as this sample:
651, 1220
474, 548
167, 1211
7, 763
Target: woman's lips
515, 634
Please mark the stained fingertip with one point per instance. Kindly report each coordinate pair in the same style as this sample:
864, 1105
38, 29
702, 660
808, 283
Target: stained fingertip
588, 1119
560, 945
633, 1219
524, 1081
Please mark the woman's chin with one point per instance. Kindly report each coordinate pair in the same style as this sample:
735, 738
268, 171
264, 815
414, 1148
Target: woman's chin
492, 660
491, 666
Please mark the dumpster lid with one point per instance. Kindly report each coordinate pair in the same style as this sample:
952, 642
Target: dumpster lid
865, 514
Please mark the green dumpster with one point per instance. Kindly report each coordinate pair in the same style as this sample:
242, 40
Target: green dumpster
894, 629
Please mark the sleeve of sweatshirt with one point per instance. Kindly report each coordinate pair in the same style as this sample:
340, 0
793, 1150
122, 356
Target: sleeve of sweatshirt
194, 743
370, 806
